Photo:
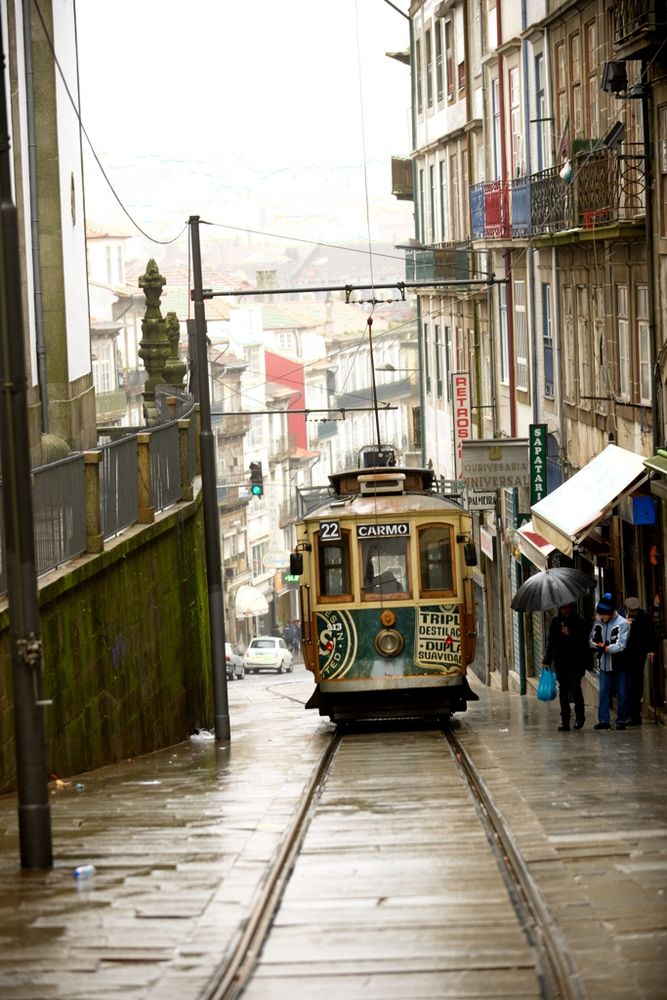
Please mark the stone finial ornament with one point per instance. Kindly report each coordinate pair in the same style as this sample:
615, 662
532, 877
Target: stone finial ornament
154, 346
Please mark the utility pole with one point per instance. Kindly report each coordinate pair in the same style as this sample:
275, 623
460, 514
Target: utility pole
24, 622
216, 609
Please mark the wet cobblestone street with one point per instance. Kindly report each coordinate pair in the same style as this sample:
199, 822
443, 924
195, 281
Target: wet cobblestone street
180, 841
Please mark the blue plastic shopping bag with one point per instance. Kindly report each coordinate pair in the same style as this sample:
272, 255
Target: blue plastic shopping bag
546, 688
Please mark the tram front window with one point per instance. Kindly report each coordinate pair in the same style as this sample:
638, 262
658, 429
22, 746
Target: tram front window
385, 567
334, 569
435, 558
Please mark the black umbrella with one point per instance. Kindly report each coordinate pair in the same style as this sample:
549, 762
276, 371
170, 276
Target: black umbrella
551, 588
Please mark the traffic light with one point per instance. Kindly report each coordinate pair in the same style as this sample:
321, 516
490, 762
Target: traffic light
256, 479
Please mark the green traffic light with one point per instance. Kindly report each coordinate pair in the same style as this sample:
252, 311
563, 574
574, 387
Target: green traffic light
256, 490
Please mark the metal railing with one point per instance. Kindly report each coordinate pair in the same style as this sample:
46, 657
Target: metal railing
85, 499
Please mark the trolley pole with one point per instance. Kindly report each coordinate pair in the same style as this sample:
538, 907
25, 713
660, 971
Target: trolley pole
24, 621
216, 611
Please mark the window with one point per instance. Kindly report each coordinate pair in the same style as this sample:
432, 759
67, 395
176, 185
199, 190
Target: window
575, 82
449, 361
449, 60
119, 265
599, 366
431, 176
540, 113
495, 111
109, 263
384, 565
592, 103
547, 342
422, 229
515, 122
334, 567
438, 362
443, 201
568, 343
661, 167
583, 343
644, 345
429, 68
562, 117
504, 340
286, 340
436, 565
520, 335
439, 77
257, 554
102, 375
427, 358
623, 341
418, 75
454, 198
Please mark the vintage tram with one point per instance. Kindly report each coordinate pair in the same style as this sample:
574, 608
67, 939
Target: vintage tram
388, 624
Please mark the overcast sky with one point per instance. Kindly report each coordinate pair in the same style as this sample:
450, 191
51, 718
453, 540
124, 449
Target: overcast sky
247, 114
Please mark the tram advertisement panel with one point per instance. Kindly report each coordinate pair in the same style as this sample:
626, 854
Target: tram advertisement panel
346, 643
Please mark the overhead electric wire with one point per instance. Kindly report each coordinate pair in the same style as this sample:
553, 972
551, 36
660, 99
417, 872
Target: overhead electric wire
136, 225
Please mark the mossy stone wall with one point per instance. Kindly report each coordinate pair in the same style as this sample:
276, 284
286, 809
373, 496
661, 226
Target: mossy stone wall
126, 649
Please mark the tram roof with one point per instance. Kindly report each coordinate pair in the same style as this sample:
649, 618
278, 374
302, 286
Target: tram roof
358, 504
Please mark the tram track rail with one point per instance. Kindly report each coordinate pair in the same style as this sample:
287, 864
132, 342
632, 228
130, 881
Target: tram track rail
555, 968
230, 980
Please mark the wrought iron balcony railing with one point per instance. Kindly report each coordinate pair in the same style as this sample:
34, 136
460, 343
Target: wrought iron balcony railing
605, 188
636, 24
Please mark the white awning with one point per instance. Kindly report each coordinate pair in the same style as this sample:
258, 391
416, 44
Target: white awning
533, 546
566, 516
250, 602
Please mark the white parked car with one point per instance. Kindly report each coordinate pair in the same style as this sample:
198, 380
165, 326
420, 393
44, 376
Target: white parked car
266, 652
233, 664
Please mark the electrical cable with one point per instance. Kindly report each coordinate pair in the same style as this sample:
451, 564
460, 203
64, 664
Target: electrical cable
151, 239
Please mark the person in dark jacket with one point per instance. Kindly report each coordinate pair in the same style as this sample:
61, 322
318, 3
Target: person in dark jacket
568, 650
641, 646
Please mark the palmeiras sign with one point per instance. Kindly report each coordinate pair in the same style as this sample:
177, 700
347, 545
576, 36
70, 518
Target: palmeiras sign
494, 464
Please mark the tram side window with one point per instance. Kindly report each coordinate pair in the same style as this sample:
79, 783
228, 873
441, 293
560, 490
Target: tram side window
384, 565
334, 562
435, 558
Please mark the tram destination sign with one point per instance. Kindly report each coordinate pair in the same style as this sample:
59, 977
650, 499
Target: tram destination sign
494, 464
398, 529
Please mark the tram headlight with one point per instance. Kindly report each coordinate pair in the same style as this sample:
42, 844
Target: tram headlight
389, 642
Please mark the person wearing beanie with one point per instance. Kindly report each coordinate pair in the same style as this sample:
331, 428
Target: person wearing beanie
641, 646
609, 638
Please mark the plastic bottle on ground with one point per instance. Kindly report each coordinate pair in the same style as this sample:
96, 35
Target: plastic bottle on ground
84, 871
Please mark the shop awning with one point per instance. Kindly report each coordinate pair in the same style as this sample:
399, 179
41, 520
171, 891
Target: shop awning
565, 516
534, 546
250, 602
657, 462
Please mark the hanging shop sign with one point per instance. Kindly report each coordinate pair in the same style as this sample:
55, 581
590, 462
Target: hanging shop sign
461, 416
496, 463
537, 436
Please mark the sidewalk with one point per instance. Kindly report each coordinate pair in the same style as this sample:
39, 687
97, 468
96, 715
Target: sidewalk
180, 840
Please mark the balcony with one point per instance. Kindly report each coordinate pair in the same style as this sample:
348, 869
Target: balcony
450, 263
401, 178
230, 425
607, 188
110, 405
635, 26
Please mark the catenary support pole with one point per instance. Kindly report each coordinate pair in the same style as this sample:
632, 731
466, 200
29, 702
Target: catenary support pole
24, 623
216, 611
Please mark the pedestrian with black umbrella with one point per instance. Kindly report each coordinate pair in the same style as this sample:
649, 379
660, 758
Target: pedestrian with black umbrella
569, 652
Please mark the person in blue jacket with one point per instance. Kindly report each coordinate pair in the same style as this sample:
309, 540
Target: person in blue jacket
608, 638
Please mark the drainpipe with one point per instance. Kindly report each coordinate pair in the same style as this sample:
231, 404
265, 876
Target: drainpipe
34, 218
650, 269
530, 269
